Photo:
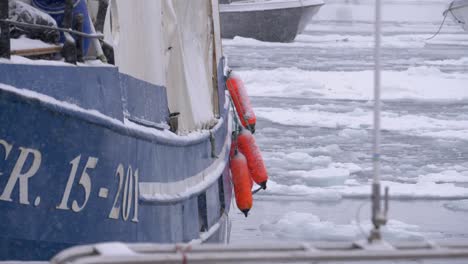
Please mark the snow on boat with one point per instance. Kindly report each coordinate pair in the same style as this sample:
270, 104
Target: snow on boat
86, 151
267, 20
458, 11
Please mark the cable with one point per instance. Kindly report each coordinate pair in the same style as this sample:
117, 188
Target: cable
449, 9
358, 219
257, 190
74, 32
440, 27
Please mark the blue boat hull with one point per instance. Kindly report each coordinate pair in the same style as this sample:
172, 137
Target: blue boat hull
71, 176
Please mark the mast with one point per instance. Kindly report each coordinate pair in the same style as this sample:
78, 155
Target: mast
379, 217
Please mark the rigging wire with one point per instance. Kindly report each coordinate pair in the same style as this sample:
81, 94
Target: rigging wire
443, 22
440, 27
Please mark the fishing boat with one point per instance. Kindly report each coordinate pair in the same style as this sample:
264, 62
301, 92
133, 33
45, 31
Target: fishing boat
90, 151
458, 11
267, 20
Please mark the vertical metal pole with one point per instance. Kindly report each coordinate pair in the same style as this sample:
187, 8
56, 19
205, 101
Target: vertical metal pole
378, 218
101, 15
68, 14
5, 48
69, 51
78, 26
377, 103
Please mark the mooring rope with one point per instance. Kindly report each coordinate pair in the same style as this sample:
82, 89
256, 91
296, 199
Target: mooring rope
443, 21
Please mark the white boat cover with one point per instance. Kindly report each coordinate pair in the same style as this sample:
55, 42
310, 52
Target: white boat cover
172, 43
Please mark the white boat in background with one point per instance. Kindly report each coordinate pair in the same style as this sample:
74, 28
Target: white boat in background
267, 20
458, 11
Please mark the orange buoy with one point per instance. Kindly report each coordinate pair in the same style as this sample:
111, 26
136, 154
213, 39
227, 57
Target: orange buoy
241, 102
242, 182
257, 169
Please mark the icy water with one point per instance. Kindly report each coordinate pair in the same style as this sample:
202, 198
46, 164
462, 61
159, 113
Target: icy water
312, 100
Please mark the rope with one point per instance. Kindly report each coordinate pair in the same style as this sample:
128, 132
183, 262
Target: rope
235, 133
257, 190
443, 21
236, 119
74, 32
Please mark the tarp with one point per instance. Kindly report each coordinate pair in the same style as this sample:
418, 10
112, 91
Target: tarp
170, 43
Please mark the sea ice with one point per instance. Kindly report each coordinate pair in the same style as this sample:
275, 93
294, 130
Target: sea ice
305, 226
322, 177
305, 192
415, 83
419, 190
362, 190
419, 125
444, 177
461, 205
353, 133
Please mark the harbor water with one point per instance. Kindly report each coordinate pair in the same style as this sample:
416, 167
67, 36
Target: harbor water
313, 102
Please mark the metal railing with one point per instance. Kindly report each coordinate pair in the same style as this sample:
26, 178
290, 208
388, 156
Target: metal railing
118, 253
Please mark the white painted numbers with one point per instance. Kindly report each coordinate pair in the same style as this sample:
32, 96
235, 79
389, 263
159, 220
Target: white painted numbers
85, 182
130, 193
29, 162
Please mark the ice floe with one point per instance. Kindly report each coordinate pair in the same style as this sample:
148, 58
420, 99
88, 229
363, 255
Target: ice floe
422, 82
309, 227
458, 206
445, 177
321, 177
306, 193
362, 119
358, 190
419, 190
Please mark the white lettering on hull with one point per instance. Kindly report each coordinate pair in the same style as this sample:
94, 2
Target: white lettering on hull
7, 148
29, 162
23, 177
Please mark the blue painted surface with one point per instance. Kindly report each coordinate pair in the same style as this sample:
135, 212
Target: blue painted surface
134, 91
88, 87
32, 230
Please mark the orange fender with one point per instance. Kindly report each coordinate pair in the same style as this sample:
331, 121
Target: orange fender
241, 102
242, 182
257, 169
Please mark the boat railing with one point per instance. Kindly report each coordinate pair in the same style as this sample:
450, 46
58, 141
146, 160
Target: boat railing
319, 252
72, 28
